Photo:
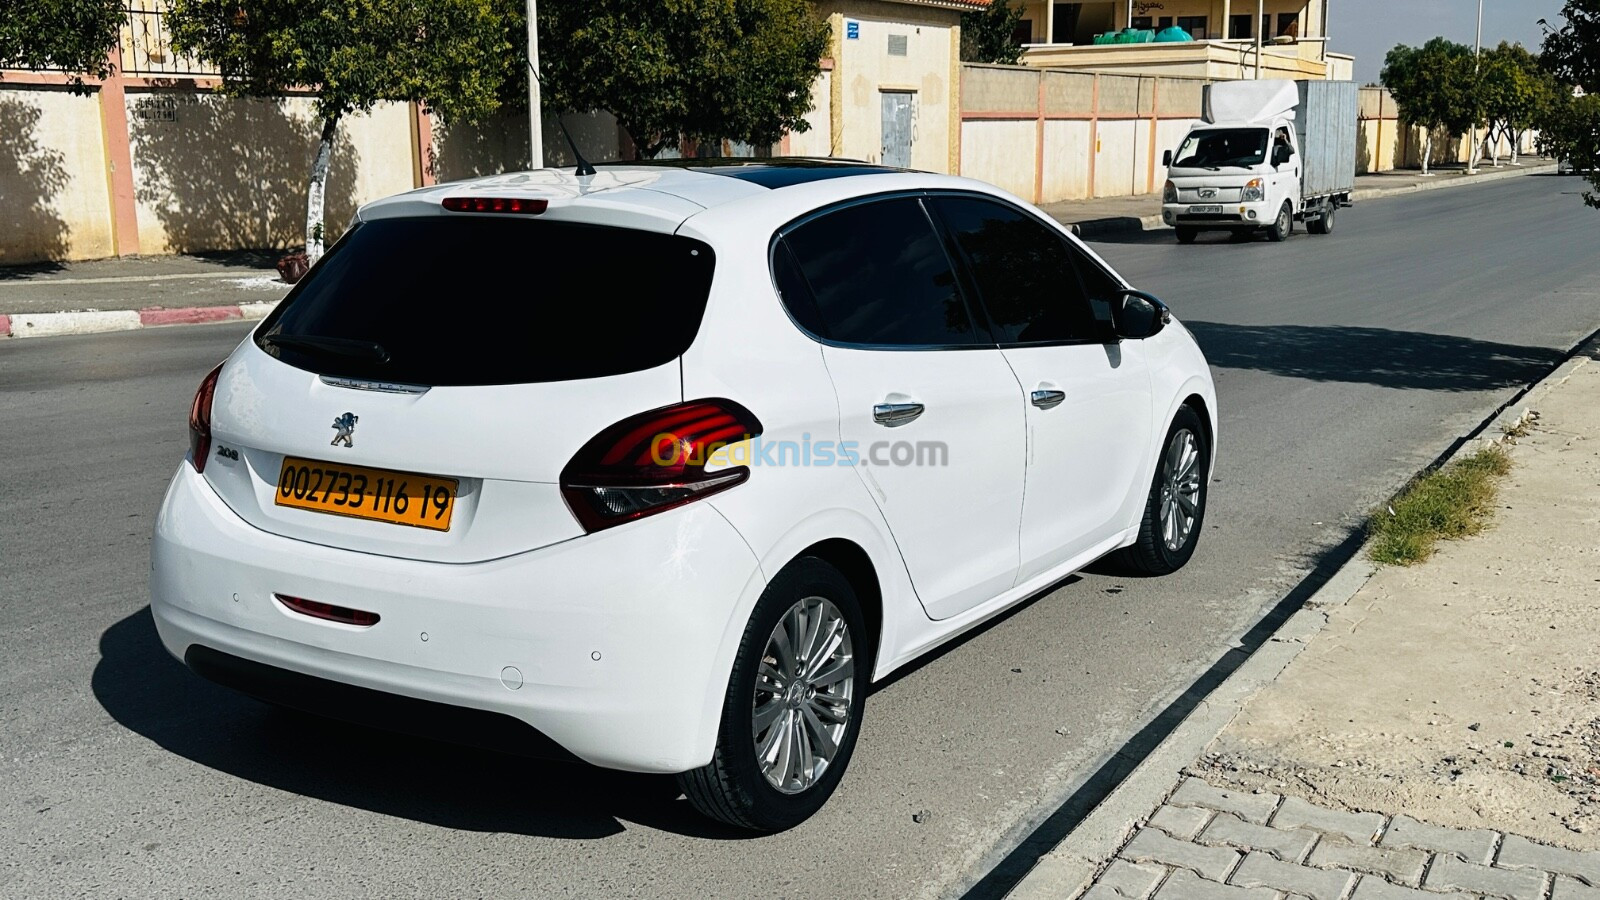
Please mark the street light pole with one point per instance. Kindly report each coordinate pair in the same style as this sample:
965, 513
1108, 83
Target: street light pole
1261, 27
1477, 66
535, 123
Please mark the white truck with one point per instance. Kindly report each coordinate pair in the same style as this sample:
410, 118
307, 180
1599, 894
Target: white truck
1268, 154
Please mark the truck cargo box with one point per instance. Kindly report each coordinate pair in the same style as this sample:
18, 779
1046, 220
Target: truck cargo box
1326, 122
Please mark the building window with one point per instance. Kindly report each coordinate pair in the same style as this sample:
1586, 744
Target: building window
1239, 28
1289, 24
897, 45
1164, 22
1143, 22
1195, 25
1023, 33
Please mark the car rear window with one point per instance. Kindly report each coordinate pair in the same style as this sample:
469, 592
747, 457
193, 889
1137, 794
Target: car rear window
468, 300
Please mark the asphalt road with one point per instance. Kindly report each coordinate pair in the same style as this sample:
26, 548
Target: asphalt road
1344, 363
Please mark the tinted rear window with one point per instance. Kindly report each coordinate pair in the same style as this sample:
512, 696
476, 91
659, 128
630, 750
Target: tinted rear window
465, 300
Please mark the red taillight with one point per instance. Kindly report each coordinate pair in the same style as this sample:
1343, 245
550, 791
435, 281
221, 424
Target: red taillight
200, 420
328, 611
523, 205
655, 461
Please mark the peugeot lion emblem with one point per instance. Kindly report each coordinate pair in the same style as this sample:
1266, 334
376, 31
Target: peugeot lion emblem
344, 427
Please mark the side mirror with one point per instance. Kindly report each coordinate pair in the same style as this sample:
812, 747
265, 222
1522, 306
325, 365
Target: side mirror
1282, 154
1166, 159
1136, 315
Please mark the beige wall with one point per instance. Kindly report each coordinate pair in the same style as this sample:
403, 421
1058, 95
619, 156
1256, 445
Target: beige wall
217, 173
52, 177
863, 70
818, 140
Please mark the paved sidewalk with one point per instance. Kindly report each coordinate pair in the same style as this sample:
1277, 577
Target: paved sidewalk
1431, 732
1114, 215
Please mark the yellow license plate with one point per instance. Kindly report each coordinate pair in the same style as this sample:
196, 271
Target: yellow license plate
400, 498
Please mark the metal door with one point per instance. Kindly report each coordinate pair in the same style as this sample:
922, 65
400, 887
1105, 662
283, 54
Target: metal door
898, 109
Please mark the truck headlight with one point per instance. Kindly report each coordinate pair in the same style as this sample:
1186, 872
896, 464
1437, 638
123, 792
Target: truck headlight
1169, 194
1254, 191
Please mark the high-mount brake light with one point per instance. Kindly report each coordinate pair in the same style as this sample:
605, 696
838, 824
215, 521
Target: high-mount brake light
522, 205
200, 420
655, 461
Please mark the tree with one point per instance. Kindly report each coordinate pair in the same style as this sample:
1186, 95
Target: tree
987, 35
446, 54
1570, 126
1434, 87
1510, 86
72, 35
705, 70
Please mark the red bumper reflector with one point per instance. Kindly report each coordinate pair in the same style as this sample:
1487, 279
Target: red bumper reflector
328, 611
523, 205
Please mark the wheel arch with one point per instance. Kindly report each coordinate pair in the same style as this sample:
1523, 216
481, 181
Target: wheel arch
852, 561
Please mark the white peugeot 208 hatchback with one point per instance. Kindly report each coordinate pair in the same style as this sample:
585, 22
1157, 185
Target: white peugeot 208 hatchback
660, 468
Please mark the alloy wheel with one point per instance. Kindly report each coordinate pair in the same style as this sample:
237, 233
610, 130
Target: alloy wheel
803, 695
1180, 489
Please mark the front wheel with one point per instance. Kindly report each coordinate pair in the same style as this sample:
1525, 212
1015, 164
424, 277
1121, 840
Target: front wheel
793, 708
1186, 235
1175, 509
1284, 226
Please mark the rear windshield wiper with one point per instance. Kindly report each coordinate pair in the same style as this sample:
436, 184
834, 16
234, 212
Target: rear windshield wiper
368, 350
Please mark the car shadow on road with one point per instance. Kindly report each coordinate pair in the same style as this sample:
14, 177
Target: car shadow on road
449, 786
1406, 360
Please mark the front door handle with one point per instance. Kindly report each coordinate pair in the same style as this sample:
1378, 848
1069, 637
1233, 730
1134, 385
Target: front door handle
1048, 399
892, 414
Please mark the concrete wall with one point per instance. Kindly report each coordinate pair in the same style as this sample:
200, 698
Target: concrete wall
818, 140
219, 173
52, 177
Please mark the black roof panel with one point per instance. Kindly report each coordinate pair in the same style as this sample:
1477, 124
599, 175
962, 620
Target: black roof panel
773, 172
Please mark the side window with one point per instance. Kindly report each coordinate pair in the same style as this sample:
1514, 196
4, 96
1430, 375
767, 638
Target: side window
1099, 285
879, 275
1023, 270
794, 291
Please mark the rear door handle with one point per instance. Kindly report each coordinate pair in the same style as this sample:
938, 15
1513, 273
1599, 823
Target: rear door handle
1048, 399
892, 414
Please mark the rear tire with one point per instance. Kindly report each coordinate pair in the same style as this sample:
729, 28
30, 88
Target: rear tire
1187, 235
801, 668
1284, 226
1323, 224
1175, 510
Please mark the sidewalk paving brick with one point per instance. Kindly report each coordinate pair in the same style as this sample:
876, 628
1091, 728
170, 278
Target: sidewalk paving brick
1451, 874
1182, 822
1520, 853
1228, 828
1150, 845
1372, 888
1359, 827
1185, 885
1123, 879
1403, 866
1261, 870
1473, 846
1573, 889
1247, 806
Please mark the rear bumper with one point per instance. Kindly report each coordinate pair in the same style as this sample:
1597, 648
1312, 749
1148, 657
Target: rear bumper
615, 646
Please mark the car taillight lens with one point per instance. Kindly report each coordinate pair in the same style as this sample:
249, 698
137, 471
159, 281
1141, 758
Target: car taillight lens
200, 420
655, 461
520, 205
1169, 194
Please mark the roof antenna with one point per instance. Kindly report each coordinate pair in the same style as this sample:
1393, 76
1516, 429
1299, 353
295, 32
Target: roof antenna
584, 167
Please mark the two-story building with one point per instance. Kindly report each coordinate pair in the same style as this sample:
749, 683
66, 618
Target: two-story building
1230, 38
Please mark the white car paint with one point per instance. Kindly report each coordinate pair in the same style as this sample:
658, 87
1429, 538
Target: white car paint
624, 638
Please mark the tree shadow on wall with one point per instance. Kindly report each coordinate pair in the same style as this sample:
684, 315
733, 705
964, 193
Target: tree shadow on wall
31, 178
224, 173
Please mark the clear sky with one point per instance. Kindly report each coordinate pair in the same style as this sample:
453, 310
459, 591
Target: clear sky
1368, 29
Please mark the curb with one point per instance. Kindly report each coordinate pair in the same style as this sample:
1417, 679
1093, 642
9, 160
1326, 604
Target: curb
1089, 229
1069, 868
32, 325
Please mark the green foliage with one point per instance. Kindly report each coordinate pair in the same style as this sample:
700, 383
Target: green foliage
1510, 87
1434, 85
447, 54
72, 35
1570, 126
1445, 504
707, 70
986, 35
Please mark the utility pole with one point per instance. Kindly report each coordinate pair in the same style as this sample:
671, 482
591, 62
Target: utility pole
1477, 66
535, 121
1261, 28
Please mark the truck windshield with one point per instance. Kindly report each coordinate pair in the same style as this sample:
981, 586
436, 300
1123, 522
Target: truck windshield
1219, 147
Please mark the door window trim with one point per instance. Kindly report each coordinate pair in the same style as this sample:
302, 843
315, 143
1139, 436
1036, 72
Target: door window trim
982, 335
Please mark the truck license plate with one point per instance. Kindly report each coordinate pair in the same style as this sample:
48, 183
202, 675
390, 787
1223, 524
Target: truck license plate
1205, 209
